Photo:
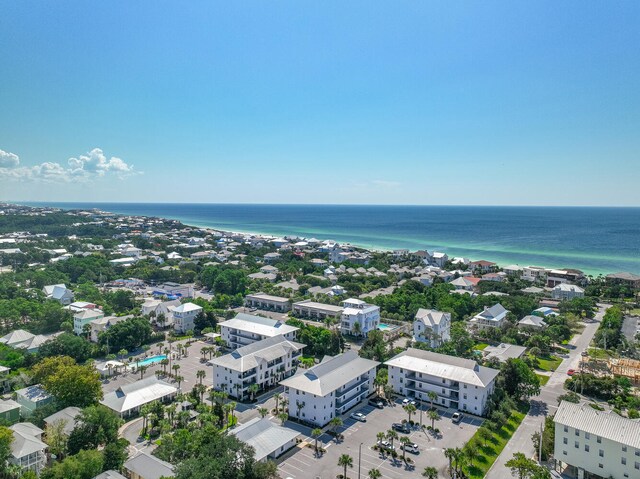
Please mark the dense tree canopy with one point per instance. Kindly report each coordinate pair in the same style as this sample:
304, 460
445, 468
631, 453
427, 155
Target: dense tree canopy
129, 335
70, 383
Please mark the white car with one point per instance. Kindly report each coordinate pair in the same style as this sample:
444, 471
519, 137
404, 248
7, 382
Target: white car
411, 447
358, 416
406, 401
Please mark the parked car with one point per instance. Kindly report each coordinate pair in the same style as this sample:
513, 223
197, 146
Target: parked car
457, 417
386, 445
410, 447
358, 416
400, 427
571, 372
376, 402
406, 401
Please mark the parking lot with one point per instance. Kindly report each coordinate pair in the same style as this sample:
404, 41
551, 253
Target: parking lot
301, 462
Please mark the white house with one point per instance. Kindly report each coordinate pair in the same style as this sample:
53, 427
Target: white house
59, 292
432, 327
439, 259
356, 311
263, 363
245, 329
492, 317
459, 383
268, 440
184, 316
532, 321
326, 390
158, 307
566, 292
28, 452
591, 443
129, 398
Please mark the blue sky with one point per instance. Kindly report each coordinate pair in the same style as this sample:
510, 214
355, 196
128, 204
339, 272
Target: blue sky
465, 102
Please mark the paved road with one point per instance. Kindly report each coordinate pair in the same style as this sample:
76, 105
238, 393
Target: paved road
545, 403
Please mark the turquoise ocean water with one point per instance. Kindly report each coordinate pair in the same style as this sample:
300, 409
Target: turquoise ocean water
596, 240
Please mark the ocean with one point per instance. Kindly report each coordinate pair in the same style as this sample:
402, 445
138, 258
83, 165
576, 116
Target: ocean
595, 240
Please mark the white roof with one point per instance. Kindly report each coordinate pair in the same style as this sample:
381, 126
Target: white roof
569, 288
257, 324
319, 306
251, 356
331, 374
187, 307
431, 316
504, 351
442, 366
600, 423
136, 394
268, 297
26, 440
264, 436
16, 337
147, 466
532, 320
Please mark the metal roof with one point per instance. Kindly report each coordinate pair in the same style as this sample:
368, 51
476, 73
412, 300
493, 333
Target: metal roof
264, 436
431, 316
149, 467
258, 325
136, 394
249, 357
604, 424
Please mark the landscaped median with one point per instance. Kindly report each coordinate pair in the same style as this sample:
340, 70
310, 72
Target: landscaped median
490, 444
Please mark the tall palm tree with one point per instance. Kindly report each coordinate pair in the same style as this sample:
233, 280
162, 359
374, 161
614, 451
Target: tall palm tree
253, 389
391, 435
409, 409
430, 472
316, 433
201, 374
179, 379
432, 395
299, 406
434, 416
449, 454
335, 423
357, 328
283, 416
345, 460
277, 397
375, 474
404, 440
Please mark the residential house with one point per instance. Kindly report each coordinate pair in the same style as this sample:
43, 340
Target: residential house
439, 259
9, 411
567, 292
432, 327
98, 326
271, 257
594, 444
32, 398
68, 416
245, 329
184, 316
503, 351
268, 302
145, 466
84, 318
158, 307
534, 273
264, 363
459, 383
267, 439
482, 266
466, 283
326, 390
28, 452
59, 292
358, 317
532, 322
492, 317
627, 279
129, 398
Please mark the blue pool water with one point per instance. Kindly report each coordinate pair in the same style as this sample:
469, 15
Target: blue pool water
151, 360
384, 327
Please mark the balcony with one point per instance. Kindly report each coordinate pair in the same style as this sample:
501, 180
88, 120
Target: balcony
342, 393
352, 400
455, 386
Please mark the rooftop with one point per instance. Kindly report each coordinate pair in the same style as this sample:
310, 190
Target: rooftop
258, 325
251, 356
149, 467
264, 436
136, 394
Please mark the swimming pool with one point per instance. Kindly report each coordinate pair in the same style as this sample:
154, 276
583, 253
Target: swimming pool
385, 327
151, 360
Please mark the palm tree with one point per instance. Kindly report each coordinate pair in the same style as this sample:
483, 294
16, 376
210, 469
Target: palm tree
430, 472
179, 379
160, 346
253, 389
263, 411
145, 410
404, 440
142, 370
335, 423
485, 435
277, 397
283, 416
201, 374
391, 435
164, 363
345, 460
387, 389
471, 451
375, 474
357, 328
232, 407
410, 409
434, 416
432, 395
176, 368
316, 433
449, 454
299, 406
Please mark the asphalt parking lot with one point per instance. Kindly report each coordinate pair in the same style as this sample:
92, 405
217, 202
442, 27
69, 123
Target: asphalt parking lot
301, 462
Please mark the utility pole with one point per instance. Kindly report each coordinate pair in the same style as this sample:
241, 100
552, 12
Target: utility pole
540, 445
359, 458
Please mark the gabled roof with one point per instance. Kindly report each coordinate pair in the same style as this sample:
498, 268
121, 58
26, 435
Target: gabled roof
331, 374
136, 394
109, 475
443, 366
68, 415
431, 317
15, 337
149, 467
26, 439
249, 357
494, 312
600, 423
264, 436
532, 320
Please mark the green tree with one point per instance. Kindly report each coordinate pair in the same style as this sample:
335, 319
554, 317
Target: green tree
434, 416
410, 409
315, 434
375, 474
484, 434
518, 380
6, 438
344, 461
86, 464
115, 454
430, 472
96, 426
70, 383
524, 468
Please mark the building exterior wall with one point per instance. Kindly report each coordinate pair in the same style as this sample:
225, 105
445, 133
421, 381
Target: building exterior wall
236, 338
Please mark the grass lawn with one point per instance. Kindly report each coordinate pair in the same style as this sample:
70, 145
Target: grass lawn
480, 346
598, 353
489, 453
543, 379
635, 312
549, 363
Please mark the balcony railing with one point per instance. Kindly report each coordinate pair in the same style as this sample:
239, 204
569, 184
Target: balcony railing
340, 394
453, 386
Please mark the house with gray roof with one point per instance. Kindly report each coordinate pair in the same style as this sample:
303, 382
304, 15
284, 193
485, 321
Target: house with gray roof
267, 439
146, 466
129, 398
459, 383
67, 416
110, 475
32, 398
432, 327
532, 321
59, 292
492, 317
28, 452
503, 351
263, 363
327, 390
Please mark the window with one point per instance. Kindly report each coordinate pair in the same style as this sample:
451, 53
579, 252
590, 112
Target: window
637, 465
577, 445
624, 448
600, 466
564, 452
601, 453
577, 432
566, 429
586, 448
587, 435
598, 439
623, 460
564, 440
637, 453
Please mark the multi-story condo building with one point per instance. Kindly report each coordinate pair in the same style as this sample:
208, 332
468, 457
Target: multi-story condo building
263, 363
432, 327
566, 292
596, 444
328, 389
357, 312
268, 302
459, 383
245, 329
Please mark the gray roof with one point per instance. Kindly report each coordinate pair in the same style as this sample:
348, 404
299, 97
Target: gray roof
68, 415
149, 467
600, 423
268, 297
8, 405
431, 316
493, 312
624, 276
322, 307
331, 374
258, 325
443, 366
533, 320
136, 394
249, 357
15, 337
26, 439
504, 351
34, 393
264, 436
109, 475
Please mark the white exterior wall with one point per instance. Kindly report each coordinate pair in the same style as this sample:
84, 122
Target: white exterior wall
368, 317
438, 334
244, 338
461, 396
183, 322
596, 455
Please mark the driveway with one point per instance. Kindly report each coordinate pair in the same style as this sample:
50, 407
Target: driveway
546, 402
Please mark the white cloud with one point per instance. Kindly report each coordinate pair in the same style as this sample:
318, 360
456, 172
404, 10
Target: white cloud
92, 164
8, 160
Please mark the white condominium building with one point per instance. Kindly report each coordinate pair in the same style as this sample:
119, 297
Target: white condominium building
595, 444
328, 389
356, 311
245, 329
264, 363
432, 327
459, 383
